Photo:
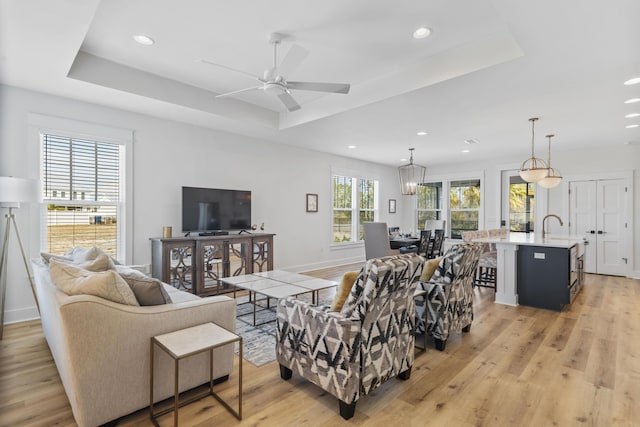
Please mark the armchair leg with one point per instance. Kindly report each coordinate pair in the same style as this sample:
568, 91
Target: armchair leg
285, 373
347, 409
405, 375
440, 344
467, 328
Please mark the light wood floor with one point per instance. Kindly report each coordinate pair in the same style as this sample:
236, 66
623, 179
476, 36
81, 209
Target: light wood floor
518, 366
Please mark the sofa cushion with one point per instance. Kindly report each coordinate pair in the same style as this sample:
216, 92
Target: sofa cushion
74, 280
148, 291
348, 279
429, 268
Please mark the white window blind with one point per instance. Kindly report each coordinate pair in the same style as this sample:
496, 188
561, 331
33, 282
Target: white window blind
82, 190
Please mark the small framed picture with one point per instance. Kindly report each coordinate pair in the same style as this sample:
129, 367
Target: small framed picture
392, 206
312, 202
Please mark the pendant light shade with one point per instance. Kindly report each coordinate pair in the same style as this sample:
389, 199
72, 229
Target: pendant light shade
410, 176
533, 169
553, 177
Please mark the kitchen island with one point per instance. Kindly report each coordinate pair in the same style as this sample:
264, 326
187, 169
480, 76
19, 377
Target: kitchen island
541, 272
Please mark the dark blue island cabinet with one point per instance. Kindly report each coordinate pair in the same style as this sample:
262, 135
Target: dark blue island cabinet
548, 277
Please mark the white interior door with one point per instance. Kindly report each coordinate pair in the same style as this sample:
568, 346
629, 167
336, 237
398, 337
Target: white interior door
597, 211
610, 198
582, 211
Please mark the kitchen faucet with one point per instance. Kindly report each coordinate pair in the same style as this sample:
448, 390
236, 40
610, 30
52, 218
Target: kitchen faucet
544, 219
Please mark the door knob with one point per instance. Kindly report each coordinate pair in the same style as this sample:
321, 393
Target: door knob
601, 232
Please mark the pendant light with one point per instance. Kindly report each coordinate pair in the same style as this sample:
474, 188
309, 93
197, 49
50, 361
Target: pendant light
553, 177
533, 169
410, 176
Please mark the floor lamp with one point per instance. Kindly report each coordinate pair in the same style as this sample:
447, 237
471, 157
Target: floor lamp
14, 191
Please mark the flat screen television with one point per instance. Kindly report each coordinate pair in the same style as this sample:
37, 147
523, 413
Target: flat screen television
215, 209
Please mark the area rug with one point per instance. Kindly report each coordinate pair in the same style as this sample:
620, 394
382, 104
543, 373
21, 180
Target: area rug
259, 342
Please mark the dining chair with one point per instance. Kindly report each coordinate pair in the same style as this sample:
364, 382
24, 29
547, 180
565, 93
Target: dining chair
376, 240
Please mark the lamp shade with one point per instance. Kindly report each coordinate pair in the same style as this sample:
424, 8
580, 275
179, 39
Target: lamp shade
533, 170
15, 190
552, 179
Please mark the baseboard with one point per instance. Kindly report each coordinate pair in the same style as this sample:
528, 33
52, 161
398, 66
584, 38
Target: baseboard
21, 315
323, 264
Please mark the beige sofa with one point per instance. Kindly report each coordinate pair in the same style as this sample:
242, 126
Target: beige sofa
101, 348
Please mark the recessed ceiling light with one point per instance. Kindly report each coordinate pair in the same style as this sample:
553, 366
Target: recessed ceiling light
632, 81
351, 147
421, 33
471, 141
631, 126
632, 101
403, 160
465, 151
421, 133
143, 40
628, 116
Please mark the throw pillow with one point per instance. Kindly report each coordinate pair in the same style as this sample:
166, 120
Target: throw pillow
348, 279
102, 262
429, 268
46, 257
73, 280
148, 291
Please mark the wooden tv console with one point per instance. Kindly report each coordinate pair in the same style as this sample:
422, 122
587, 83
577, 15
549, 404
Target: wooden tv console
197, 264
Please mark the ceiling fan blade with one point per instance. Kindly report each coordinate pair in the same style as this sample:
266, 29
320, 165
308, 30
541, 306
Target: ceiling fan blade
223, 95
292, 60
253, 76
288, 101
320, 87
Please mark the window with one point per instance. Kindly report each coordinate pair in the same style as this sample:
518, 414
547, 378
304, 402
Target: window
82, 189
521, 204
429, 202
464, 206
355, 201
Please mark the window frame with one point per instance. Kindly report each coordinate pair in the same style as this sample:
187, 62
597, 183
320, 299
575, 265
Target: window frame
446, 180
356, 179
40, 125
438, 212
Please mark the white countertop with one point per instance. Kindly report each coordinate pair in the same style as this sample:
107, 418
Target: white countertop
535, 239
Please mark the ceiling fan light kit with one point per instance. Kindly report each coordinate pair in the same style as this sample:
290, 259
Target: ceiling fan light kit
273, 80
553, 177
411, 175
533, 169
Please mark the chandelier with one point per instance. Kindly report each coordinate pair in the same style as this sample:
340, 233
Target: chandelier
410, 176
533, 169
553, 177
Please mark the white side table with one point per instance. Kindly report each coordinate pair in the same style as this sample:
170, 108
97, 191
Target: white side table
188, 342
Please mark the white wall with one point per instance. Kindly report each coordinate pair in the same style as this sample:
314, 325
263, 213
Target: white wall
168, 155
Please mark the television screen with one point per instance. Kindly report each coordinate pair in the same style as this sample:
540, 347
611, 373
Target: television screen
214, 209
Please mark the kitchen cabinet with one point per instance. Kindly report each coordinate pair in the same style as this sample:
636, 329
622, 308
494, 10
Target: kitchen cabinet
549, 277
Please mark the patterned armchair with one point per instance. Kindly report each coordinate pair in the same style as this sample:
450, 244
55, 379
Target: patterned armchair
449, 299
351, 352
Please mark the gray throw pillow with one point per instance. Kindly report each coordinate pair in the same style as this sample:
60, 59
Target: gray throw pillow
148, 291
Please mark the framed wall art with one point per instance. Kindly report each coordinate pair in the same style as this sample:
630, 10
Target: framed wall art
312, 202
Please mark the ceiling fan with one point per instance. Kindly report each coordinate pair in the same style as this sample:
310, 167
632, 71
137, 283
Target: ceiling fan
273, 80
